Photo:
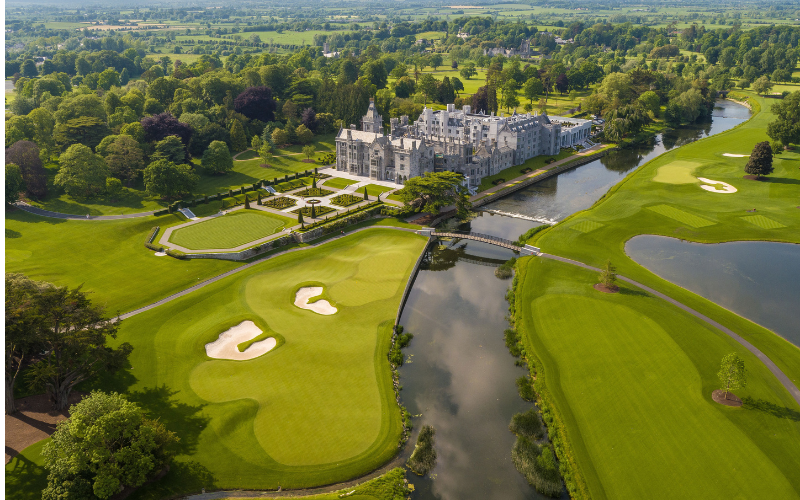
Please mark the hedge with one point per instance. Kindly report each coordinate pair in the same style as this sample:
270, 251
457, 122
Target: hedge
344, 218
176, 253
148, 242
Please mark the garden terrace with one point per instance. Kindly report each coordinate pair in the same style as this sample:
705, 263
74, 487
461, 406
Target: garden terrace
318, 211
279, 203
313, 192
345, 200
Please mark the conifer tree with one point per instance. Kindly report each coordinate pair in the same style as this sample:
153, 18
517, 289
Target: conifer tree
760, 162
238, 137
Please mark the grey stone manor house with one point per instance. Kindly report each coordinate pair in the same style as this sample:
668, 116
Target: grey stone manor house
474, 144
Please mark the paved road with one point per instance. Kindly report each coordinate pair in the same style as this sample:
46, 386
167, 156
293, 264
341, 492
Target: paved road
247, 266
782, 378
57, 215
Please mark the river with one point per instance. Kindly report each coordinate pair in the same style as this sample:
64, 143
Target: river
459, 376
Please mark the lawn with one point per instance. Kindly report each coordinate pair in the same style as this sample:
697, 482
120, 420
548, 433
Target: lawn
107, 257
318, 409
632, 377
338, 182
534, 164
644, 204
375, 189
231, 230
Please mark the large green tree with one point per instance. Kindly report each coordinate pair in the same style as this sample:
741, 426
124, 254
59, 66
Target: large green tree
14, 183
107, 444
217, 159
81, 172
21, 328
238, 137
170, 148
167, 179
732, 373
760, 162
786, 126
86, 130
435, 190
125, 158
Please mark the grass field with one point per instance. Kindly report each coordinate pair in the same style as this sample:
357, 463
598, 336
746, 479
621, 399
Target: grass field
633, 377
639, 205
319, 409
107, 257
338, 182
231, 230
376, 189
534, 163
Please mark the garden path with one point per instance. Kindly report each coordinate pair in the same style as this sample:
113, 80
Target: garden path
772, 367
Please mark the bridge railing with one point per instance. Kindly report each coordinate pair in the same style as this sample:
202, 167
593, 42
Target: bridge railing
472, 235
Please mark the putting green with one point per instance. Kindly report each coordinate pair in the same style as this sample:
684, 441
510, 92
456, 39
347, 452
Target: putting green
636, 375
229, 231
677, 172
319, 408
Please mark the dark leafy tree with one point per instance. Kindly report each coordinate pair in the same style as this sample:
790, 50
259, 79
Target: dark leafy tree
257, 103
169, 148
21, 334
159, 126
480, 100
760, 162
73, 333
309, 119
86, 130
208, 134
25, 154
562, 83
435, 190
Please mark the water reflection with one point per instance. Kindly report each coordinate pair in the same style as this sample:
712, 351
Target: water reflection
557, 197
461, 376
759, 280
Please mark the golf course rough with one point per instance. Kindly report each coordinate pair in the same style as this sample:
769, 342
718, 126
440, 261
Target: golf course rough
627, 447
320, 407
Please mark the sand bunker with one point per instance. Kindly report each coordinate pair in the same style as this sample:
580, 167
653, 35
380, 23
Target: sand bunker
726, 188
320, 307
731, 155
225, 346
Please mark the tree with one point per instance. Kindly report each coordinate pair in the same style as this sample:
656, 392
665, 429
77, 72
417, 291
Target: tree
28, 69
303, 134
436, 60
480, 101
468, 71
446, 92
279, 137
125, 158
124, 77
423, 458
14, 183
309, 119
348, 72
458, 85
107, 444
113, 187
107, 79
255, 143
167, 179
786, 127
217, 159
300, 217
159, 126
651, 102
72, 332
86, 130
265, 152
81, 172
760, 162
429, 86
375, 72
732, 373
25, 154
366, 195
404, 87
433, 191
169, 148
85, 105
238, 137
762, 85
608, 276
532, 89
562, 83
308, 151
256, 103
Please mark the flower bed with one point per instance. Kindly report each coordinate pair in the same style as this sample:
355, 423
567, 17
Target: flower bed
313, 192
279, 203
345, 200
317, 211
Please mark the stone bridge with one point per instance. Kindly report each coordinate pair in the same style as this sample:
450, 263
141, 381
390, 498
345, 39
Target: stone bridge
484, 238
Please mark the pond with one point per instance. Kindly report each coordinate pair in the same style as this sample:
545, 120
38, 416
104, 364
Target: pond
759, 280
459, 376
557, 197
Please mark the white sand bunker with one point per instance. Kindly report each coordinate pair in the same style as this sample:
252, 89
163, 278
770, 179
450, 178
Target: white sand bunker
726, 188
731, 155
320, 307
225, 347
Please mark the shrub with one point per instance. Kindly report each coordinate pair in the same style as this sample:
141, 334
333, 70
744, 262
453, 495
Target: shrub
538, 465
512, 342
345, 200
525, 389
506, 270
423, 459
176, 253
527, 235
527, 425
497, 182
280, 203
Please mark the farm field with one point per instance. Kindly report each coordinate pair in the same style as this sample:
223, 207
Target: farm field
317, 409
659, 366
107, 257
231, 230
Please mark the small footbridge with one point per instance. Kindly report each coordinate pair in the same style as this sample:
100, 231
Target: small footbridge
483, 238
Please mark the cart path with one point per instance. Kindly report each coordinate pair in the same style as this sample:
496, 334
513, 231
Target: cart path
771, 366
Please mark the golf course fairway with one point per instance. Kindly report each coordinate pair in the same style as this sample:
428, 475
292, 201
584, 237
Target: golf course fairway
317, 409
629, 377
632, 377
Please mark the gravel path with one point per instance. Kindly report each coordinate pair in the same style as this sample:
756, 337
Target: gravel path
57, 215
772, 367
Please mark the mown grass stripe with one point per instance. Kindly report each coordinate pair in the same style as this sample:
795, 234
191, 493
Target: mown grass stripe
586, 226
681, 216
762, 222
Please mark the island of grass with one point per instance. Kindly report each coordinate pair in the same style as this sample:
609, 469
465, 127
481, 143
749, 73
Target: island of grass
318, 211
318, 409
280, 203
230, 230
339, 182
374, 190
313, 192
657, 363
345, 200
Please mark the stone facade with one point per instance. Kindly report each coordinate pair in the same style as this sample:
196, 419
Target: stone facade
474, 144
